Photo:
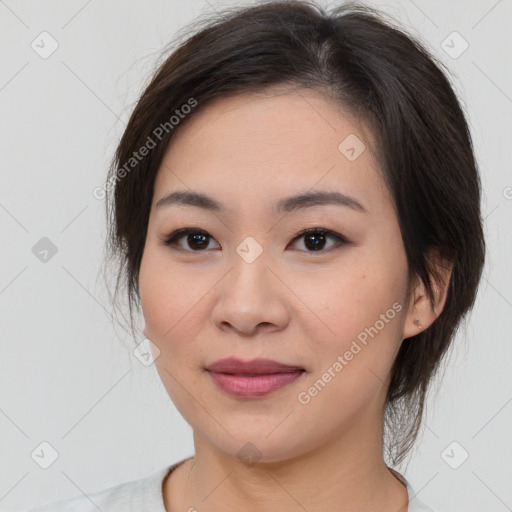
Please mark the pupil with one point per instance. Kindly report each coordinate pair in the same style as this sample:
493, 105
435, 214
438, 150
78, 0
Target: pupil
316, 245
197, 237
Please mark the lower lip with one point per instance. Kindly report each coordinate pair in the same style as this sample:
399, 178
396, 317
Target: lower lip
253, 386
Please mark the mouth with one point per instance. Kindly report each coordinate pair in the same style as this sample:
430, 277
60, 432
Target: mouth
251, 379
233, 365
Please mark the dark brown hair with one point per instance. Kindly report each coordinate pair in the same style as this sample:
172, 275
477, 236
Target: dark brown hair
382, 76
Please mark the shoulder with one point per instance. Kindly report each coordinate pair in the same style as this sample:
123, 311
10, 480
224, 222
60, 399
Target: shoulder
415, 505
136, 495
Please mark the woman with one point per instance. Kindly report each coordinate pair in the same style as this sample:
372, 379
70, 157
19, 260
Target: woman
296, 207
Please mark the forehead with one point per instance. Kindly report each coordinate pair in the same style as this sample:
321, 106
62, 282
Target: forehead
261, 145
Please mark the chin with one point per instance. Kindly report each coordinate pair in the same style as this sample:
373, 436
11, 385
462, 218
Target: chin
255, 446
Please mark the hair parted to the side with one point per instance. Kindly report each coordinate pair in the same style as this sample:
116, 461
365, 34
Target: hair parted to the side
385, 78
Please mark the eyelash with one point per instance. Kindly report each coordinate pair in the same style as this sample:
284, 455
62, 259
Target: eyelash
180, 233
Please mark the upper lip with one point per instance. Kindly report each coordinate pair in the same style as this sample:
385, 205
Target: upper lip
263, 366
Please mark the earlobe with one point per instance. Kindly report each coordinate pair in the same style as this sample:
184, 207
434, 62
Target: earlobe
419, 315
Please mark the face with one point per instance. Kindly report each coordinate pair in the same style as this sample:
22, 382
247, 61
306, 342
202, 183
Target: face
247, 284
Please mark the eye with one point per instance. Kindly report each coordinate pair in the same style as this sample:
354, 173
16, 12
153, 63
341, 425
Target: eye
198, 239
315, 239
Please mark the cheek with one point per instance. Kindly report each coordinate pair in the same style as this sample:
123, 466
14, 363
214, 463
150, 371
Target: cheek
353, 294
166, 294
364, 308
171, 307
358, 311
175, 306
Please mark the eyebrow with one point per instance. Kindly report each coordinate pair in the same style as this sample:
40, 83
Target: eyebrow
305, 200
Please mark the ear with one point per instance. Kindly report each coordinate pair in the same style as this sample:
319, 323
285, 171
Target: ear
420, 313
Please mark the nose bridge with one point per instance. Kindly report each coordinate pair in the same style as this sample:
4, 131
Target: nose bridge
250, 262
249, 296
250, 250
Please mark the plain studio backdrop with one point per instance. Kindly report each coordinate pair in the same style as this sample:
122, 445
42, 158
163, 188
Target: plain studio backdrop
69, 386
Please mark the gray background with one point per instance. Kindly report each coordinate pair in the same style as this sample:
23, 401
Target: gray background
66, 375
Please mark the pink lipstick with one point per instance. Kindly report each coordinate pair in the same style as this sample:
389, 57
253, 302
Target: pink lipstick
251, 379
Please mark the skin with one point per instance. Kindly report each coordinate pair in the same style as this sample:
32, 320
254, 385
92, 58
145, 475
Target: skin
292, 304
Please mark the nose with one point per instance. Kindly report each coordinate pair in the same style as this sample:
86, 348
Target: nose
251, 298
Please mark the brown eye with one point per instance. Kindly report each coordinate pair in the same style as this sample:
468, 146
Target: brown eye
196, 239
315, 239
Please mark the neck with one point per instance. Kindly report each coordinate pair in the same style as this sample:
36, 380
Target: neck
342, 476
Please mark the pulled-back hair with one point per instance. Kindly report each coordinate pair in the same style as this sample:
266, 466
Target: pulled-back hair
383, 77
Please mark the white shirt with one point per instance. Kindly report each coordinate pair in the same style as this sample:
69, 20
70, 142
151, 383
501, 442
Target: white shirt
145, 495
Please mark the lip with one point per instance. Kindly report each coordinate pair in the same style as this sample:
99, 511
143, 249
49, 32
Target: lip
234, 365
251, 379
